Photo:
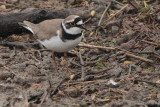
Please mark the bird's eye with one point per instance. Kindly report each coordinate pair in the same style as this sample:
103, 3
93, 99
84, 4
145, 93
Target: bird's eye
72, 24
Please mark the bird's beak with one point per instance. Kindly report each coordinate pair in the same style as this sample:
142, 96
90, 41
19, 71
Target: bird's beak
82, 27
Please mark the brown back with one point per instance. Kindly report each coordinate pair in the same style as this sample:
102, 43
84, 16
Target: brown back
45, 29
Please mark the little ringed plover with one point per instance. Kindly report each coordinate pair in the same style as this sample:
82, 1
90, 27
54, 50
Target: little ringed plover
58, 35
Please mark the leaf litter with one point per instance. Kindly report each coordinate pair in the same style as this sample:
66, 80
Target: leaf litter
120, 59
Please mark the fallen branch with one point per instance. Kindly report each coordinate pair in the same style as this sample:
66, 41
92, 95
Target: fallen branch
9, 22
113, 48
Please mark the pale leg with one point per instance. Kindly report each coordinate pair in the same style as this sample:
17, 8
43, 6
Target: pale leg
65, 57
54, 62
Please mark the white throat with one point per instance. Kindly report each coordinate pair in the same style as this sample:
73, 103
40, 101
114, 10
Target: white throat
72, 30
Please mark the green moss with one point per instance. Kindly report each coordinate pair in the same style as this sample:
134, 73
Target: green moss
100, 64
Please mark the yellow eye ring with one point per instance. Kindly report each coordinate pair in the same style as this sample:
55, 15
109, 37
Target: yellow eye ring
72, 24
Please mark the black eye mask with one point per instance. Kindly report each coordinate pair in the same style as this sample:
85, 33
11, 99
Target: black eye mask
77, 19
68, 25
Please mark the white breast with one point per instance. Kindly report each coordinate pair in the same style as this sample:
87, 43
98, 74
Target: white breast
57, 45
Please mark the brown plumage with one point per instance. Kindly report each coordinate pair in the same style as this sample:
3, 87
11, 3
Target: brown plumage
45, 29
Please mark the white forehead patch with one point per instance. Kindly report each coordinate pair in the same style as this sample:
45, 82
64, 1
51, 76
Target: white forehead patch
69, 21
80, 22
72, 20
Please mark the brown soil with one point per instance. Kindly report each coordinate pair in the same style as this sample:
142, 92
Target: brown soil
112, 78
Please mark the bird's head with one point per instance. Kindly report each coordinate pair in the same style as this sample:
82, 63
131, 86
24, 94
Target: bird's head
73, 24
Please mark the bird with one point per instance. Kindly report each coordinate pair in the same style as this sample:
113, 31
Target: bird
57, 35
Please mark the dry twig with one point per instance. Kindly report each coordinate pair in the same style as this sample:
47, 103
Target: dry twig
55, 90
82, 67
151, 43
138, 57
93, 46
148, 82
7, 4
113, 48
44, 97
99, 23
123, 8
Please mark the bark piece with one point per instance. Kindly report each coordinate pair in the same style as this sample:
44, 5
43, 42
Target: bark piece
9, 22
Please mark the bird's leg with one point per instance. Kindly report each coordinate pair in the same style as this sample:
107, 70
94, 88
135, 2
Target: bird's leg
54, 61
65, 57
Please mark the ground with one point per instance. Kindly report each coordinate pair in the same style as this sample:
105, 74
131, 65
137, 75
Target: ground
122, 70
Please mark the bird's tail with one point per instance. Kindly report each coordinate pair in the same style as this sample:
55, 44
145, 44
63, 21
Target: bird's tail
27, 25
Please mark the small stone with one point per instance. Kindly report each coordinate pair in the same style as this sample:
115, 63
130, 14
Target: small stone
5, 76
149, 49
158, 17
72, 76
158, 96
8, 80
72, 92
46, 53
138, 69
31, 68
112, 83
5, 56
144, 65
14, 1
152, 103
93, 12
89, 78
3, 7
128, 45
20, 65
91, 90
2, 63
115, 30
